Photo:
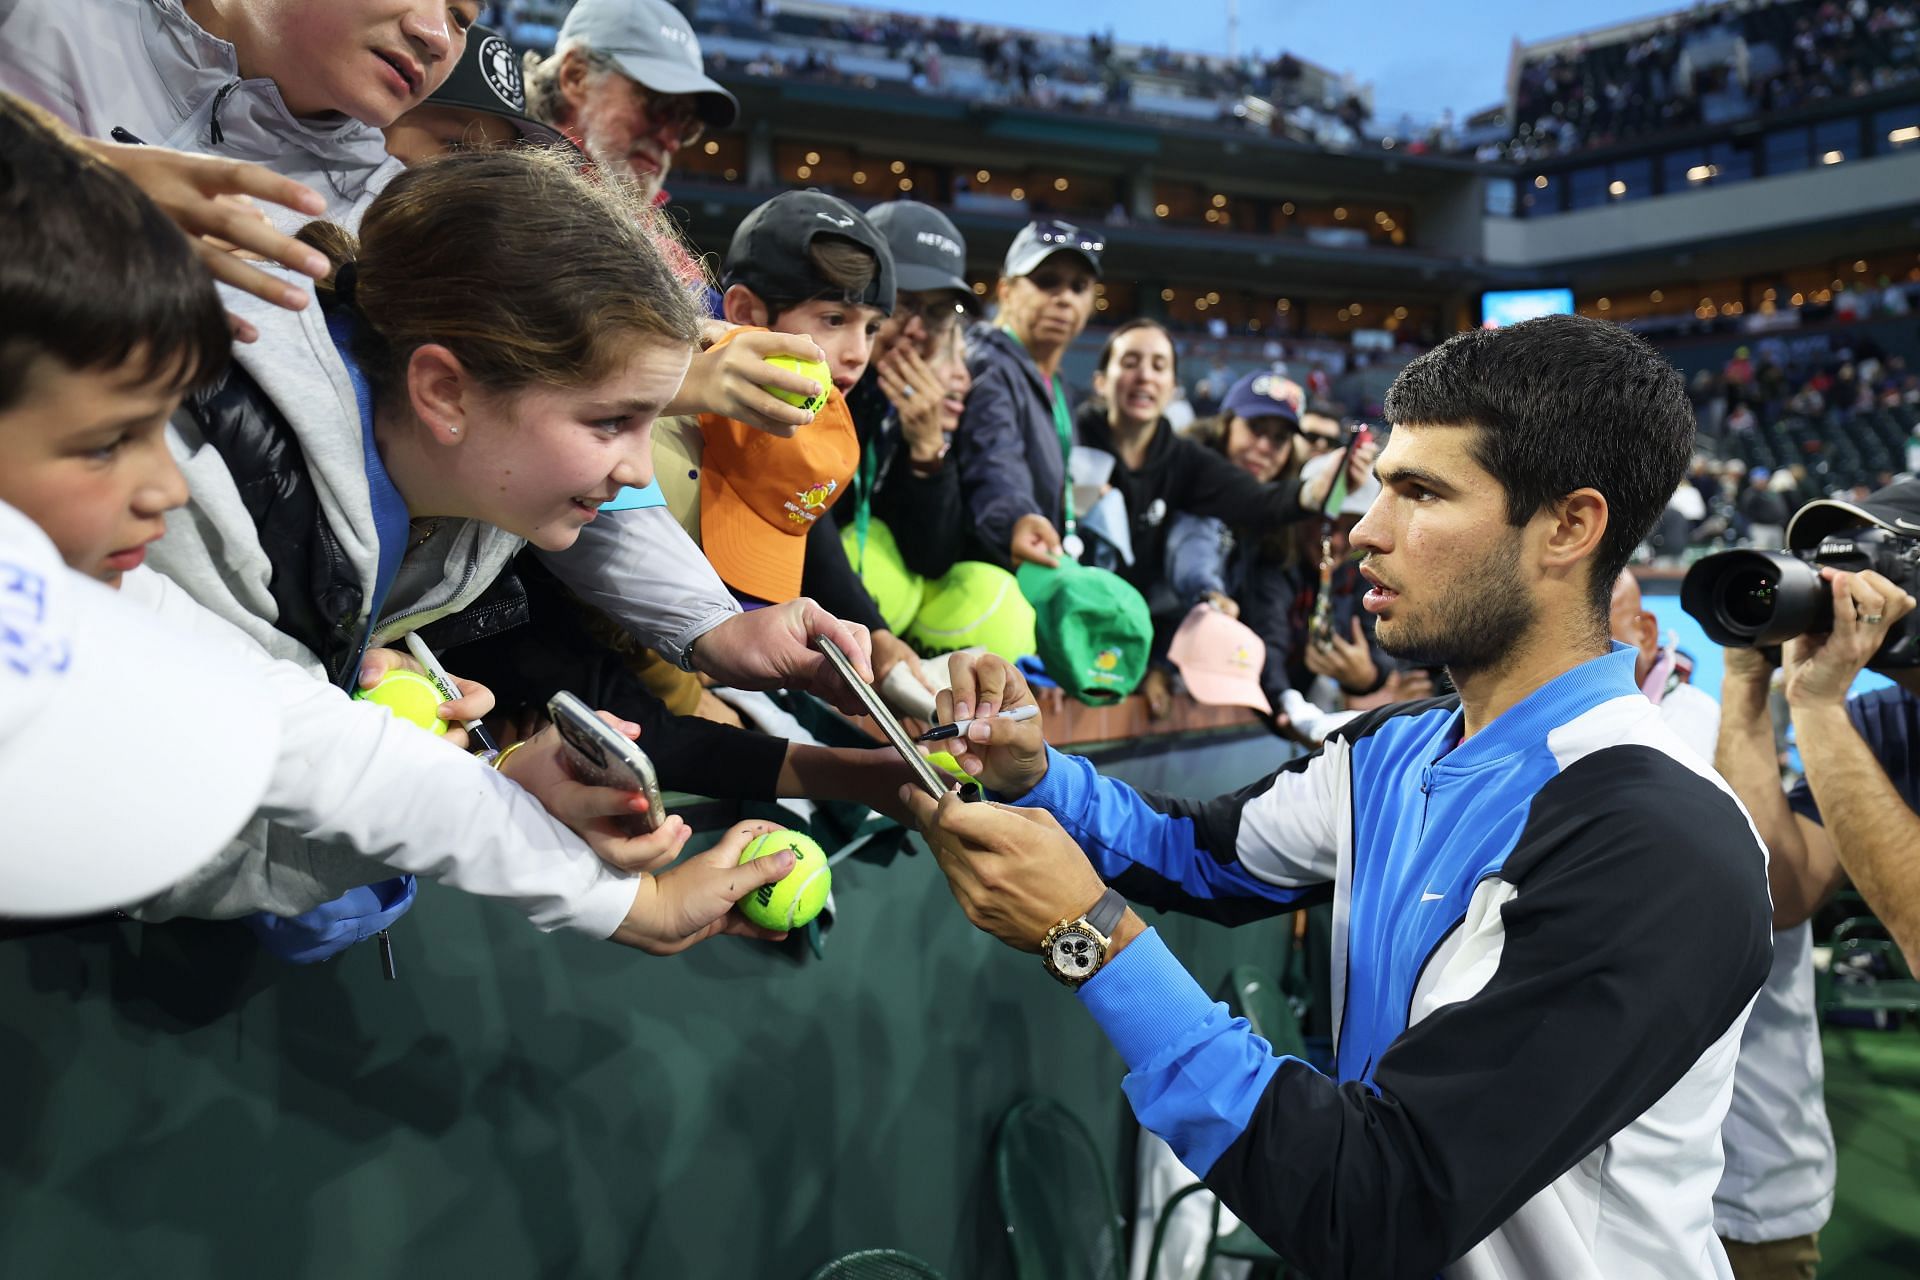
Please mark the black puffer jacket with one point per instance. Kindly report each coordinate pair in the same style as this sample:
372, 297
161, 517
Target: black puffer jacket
318, 593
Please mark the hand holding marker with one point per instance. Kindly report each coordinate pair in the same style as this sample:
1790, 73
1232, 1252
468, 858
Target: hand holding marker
438, 674
940, 733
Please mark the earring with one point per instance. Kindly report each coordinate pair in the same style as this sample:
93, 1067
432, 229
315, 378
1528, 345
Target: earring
454, 430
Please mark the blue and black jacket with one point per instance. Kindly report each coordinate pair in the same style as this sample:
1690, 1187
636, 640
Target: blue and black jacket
1546, 938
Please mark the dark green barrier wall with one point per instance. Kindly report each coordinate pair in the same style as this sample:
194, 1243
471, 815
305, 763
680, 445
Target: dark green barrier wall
516, 1105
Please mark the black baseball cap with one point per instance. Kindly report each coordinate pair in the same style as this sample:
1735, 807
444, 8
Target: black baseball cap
768, 253
1895, 509
1038, 241
928, 251
487, 78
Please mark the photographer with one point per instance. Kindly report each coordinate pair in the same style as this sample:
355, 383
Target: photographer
1854, 814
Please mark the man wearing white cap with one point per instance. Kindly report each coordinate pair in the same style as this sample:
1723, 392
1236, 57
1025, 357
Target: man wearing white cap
626, 84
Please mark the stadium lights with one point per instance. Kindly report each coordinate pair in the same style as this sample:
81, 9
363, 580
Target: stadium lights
803, 172
1219, 201
1018, 193
1166, 295
983, 176
1833, 157
1656, 296
1283, 306
859, 177
732, 174
1340, 214
1909, 134
1860, 267
1605, 304
906, 184
1159, 211
1616, 188
1059, 184
1287, 208
898, 166
813, 157
1701, 172
712, 148
1540, 182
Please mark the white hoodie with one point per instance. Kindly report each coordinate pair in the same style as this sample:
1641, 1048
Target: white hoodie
350, 774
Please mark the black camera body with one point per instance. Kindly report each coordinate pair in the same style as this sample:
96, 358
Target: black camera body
1760, 599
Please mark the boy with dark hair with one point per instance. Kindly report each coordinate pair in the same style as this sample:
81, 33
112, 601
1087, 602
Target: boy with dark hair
1550, 917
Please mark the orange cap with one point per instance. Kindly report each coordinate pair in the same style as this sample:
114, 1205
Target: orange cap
760, 494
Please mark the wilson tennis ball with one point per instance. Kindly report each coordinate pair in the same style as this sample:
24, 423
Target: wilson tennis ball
409, 695
806, 369
788, 903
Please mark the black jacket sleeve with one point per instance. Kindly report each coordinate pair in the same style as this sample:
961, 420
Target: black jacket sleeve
925, 514
829, 579
1212, 486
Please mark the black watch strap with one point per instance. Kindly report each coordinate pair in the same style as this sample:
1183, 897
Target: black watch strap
1105, 914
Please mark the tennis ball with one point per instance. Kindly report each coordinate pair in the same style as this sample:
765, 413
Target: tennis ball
409, 695
791, 902
806, 369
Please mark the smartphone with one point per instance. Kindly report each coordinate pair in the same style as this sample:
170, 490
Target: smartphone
601, 756
931, 780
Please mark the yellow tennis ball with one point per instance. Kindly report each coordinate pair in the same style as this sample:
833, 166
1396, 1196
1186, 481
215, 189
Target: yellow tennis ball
409, 695
790, 902
806, 369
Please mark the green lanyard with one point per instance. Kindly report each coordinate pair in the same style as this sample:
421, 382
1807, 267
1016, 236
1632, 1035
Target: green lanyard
1062, 423
863, 481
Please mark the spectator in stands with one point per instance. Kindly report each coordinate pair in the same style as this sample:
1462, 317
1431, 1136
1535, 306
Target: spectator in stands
1484, 852
625, 83
1764, 509
1017, 431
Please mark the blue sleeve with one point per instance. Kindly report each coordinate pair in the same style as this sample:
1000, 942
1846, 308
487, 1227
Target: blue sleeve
1195, 1073
1176, 861
1196, 557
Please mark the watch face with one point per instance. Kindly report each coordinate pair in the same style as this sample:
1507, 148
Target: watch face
1075, 953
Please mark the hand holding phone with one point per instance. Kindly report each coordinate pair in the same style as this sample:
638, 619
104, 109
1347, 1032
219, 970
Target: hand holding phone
601, 756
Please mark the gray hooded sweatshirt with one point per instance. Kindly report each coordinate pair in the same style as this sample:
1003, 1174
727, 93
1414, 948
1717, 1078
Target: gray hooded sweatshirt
146, 67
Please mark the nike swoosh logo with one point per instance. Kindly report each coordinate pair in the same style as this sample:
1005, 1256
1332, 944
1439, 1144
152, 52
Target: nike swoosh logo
1432, 897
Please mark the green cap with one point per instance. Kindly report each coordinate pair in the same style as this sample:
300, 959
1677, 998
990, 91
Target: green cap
1093, 629
974, 604
896, 589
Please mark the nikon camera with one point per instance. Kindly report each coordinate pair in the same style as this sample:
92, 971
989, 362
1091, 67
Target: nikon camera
1760, 599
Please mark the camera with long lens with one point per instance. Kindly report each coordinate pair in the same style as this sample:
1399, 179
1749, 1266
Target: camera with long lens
1761, 599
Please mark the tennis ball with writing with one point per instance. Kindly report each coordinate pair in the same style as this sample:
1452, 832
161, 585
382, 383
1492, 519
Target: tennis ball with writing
409, 695
807, 369
788, 903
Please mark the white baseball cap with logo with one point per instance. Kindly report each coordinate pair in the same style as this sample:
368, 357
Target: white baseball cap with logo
654, 44
130, 752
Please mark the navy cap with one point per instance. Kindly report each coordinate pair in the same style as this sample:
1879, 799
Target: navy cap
768, 253
1264, 394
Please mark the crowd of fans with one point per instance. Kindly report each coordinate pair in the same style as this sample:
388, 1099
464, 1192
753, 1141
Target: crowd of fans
1713, 65
464, 385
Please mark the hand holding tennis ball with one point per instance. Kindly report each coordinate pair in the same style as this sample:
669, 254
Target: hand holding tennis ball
796, 898
813, 369
410, 696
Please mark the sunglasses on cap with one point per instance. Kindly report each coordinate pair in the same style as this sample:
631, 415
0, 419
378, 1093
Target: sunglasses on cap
1066, 237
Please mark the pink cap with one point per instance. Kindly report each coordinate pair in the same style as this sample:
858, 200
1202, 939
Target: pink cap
1220, 659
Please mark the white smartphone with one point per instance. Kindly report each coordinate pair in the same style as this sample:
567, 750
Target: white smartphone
601, 756
931, 780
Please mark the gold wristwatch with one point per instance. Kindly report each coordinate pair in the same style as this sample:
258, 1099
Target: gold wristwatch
1074, 950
